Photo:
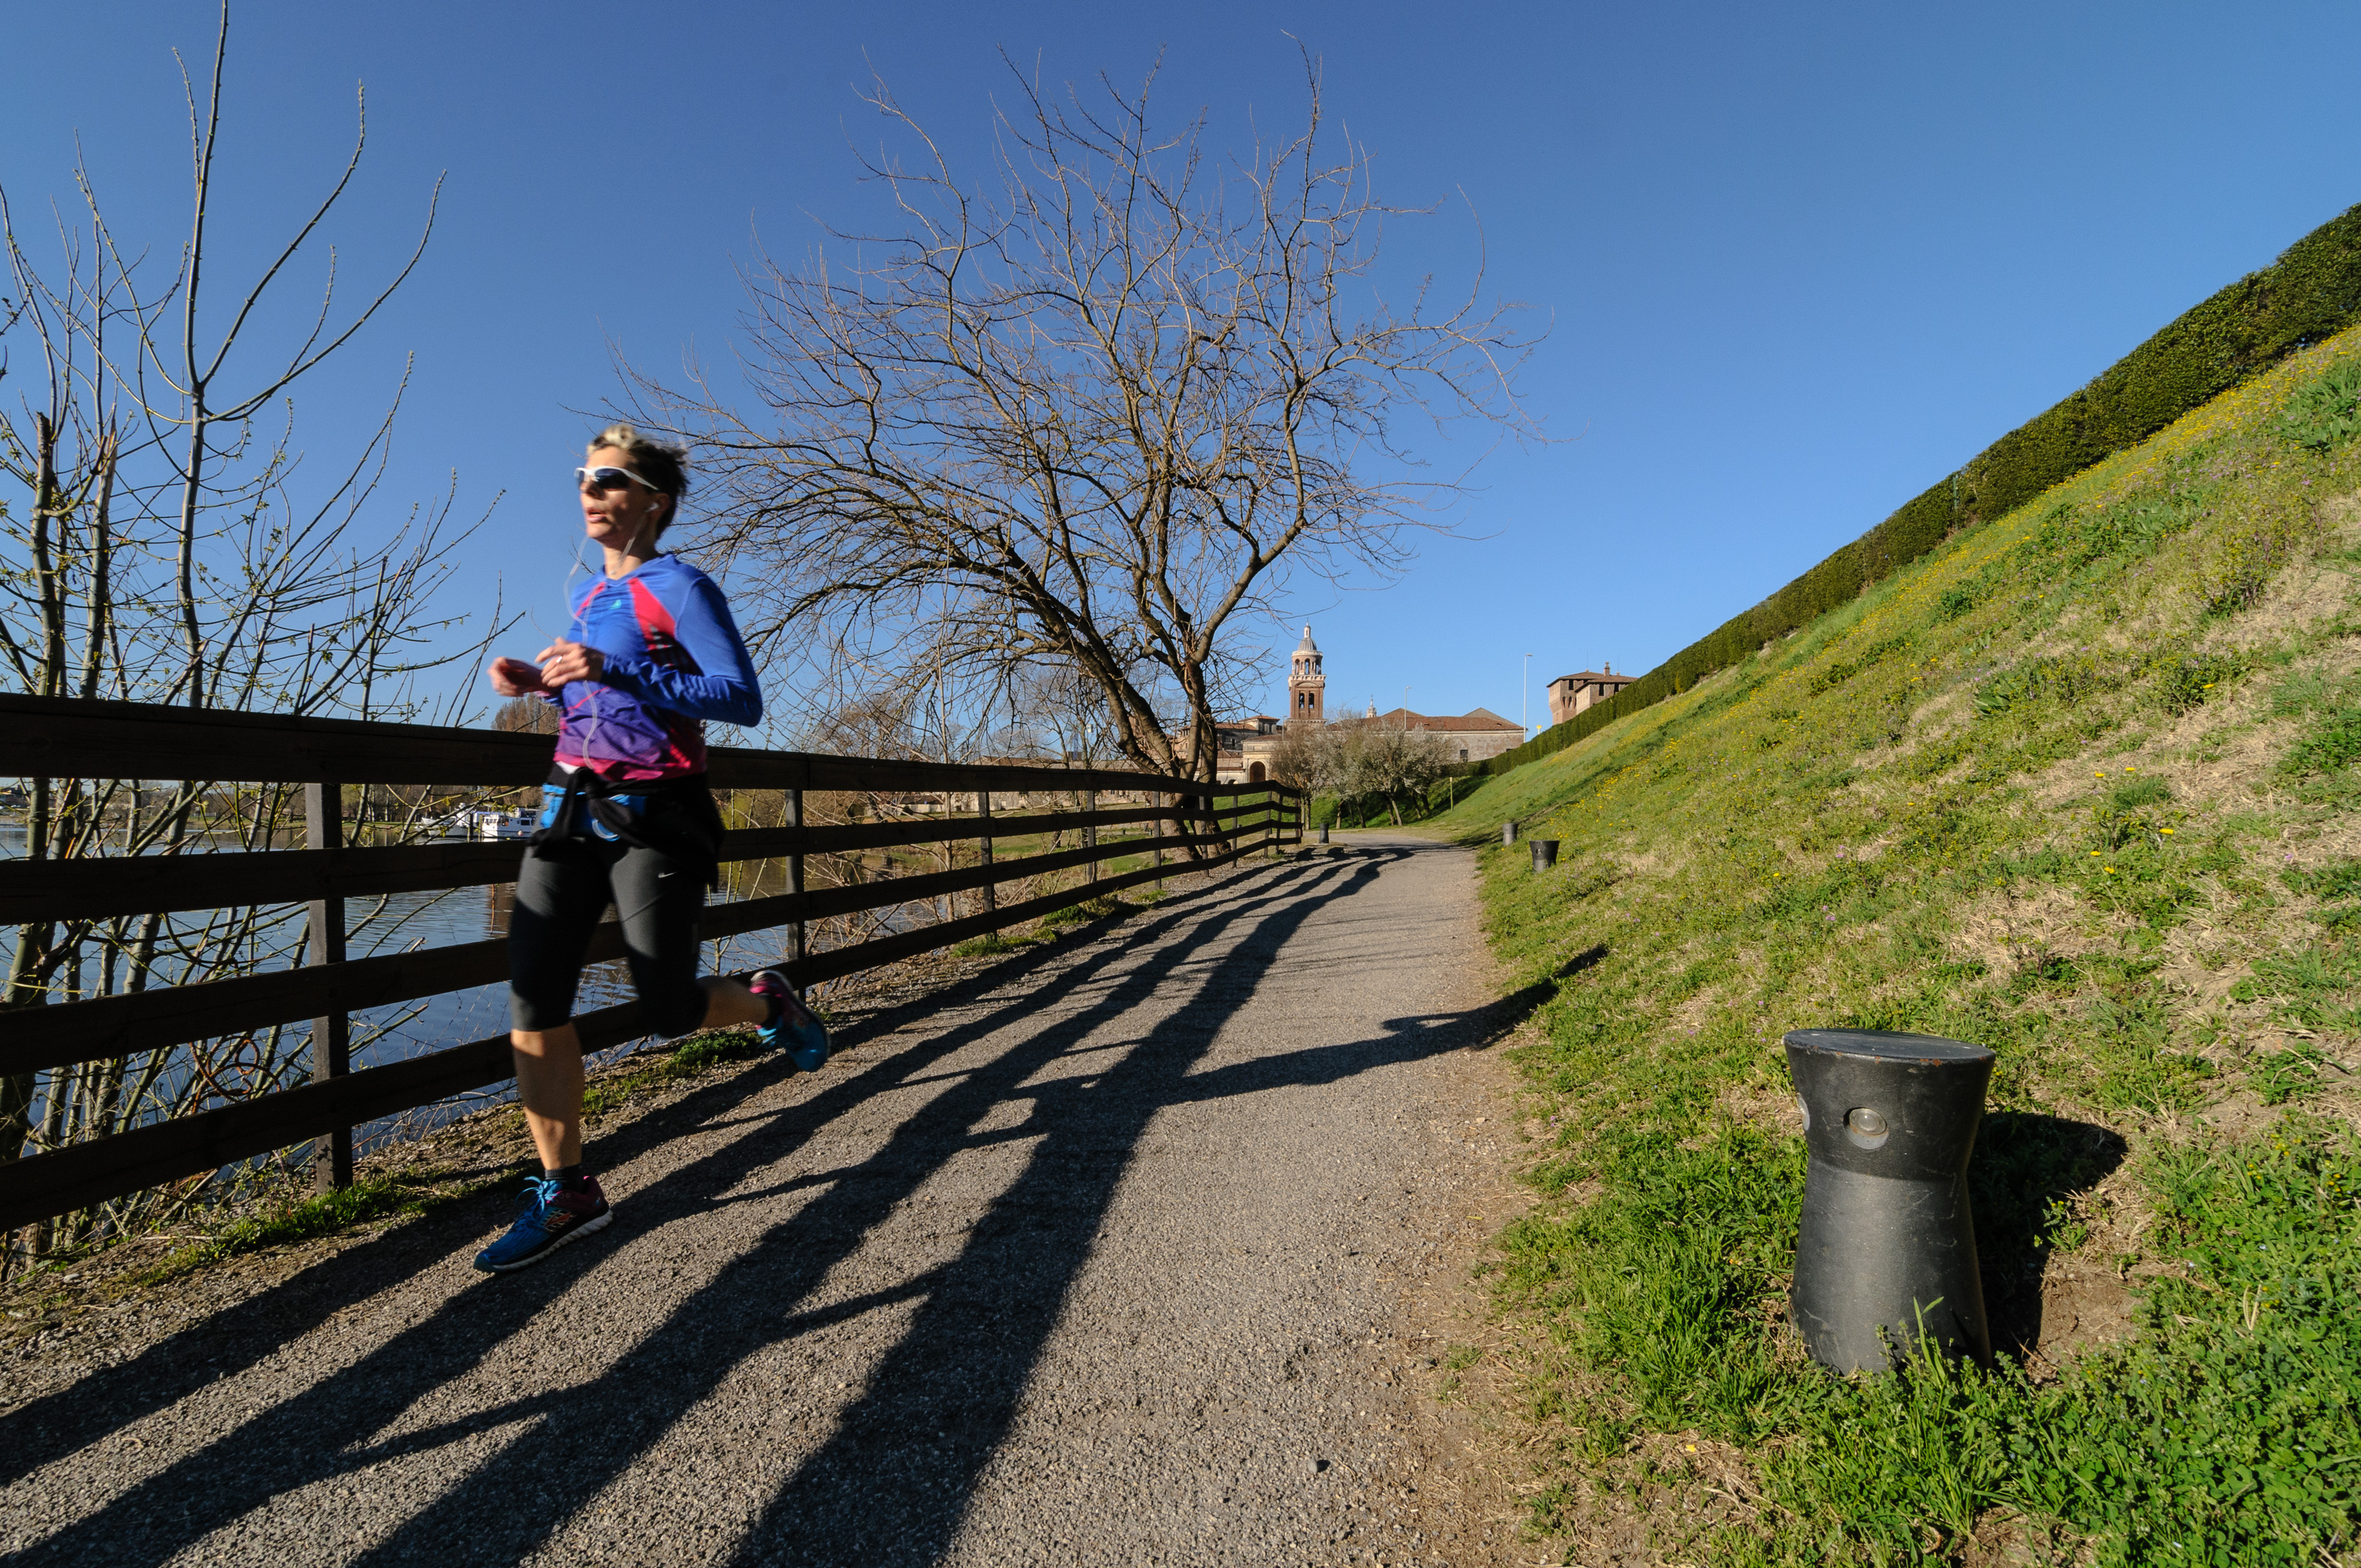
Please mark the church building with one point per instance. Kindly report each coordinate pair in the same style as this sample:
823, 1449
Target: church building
1246, 745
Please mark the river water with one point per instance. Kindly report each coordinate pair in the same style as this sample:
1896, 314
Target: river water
399, 922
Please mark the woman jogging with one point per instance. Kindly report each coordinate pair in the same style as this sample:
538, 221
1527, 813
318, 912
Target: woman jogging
651, 655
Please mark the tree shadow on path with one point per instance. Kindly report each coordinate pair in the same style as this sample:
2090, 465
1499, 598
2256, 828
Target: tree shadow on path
232, 1340
891, 1483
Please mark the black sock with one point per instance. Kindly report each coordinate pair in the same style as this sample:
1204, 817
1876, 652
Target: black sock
569, 1177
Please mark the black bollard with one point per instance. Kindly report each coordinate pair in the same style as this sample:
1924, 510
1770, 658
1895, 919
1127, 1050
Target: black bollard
1324, 832
1544, 854
1886, 1239
1508, 832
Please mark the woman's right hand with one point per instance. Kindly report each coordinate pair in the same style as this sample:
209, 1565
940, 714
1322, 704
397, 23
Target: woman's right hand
514, 677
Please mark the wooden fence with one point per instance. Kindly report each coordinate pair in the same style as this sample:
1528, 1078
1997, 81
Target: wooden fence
58, 737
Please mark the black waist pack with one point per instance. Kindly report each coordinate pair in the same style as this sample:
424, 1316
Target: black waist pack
676, 818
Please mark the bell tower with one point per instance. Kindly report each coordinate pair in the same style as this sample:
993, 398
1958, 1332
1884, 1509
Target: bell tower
1307, 688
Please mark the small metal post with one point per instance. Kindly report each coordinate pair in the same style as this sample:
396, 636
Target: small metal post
1544, 854
332, 1038
794, 814
1508, 832
983, 849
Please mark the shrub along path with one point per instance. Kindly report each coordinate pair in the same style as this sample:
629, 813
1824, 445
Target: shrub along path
1098, 1257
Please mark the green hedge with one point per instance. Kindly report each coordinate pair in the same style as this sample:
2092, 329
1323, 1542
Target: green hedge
2310, 293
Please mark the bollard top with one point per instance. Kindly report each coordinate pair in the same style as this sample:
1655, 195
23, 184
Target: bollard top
1887, 1044
1884, 1105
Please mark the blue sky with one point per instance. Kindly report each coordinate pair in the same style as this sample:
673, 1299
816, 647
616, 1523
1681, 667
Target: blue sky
1795, 264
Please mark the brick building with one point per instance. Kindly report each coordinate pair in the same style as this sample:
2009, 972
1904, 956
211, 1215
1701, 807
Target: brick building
1569, 694
1473, 736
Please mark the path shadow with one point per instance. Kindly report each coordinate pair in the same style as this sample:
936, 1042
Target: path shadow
2024, 1164
1498, 1020
891, 1483
233, 1339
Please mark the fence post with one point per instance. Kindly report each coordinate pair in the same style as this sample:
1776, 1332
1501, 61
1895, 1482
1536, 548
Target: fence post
1091, 832
984, 847
1155, 830
332, 1039
795, 813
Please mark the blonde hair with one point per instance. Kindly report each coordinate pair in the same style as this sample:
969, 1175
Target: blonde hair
663, 467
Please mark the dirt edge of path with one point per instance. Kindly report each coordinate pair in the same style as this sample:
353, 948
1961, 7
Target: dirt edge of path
1461, 1359
1467, 1476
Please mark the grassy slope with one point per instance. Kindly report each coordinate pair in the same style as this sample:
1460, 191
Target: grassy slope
2075, 787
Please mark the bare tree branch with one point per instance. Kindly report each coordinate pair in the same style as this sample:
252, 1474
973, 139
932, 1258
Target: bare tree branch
1100, 418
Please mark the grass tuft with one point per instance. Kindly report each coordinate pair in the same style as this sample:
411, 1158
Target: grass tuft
995, 942
324, 1215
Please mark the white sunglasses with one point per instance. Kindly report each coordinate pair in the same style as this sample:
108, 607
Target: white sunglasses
603, 479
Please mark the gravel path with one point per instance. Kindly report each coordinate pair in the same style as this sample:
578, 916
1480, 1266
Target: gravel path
1099, 1257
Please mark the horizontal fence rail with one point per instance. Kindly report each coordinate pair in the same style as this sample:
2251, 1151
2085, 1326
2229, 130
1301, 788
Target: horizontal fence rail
70, 738
57, 739
147, 885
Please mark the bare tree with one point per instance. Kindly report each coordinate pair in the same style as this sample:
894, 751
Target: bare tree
1098, 418
171, 548
200, 409
1057, 714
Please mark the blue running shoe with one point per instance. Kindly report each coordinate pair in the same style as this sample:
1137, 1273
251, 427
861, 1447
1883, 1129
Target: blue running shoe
552, 1216
792, 1023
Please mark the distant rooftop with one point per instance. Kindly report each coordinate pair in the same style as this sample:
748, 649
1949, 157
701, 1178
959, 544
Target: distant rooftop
1481, 719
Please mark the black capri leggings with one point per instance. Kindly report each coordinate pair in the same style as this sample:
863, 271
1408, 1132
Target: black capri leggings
562, 893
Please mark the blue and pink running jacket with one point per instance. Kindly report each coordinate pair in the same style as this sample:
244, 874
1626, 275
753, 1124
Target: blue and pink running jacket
673, 660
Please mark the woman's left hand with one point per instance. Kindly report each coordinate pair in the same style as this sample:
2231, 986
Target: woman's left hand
562, 661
